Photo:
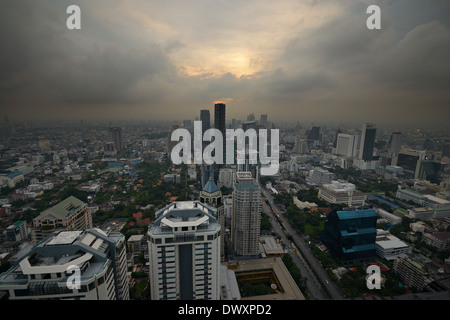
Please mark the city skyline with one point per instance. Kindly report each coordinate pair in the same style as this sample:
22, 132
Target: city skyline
307, 62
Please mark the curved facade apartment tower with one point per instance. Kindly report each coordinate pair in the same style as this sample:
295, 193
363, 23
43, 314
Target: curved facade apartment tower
184, 252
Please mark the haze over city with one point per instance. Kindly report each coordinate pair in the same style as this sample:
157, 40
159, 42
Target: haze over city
296, 60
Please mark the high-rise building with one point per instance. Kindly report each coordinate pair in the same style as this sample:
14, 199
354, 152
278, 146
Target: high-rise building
428, 170
346, 144
46, 272
184, 252
212, 196
367, 142
351, 234
69, 214
263, 121
314, 134
248, 162
206, 170
396, 143
336, 137
205, 118
170, 144
116, 136
408, 159
245, 222
396, 146
300, 146
226, 178
219, 123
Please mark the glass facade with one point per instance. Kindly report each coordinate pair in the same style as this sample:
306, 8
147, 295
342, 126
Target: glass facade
351, 235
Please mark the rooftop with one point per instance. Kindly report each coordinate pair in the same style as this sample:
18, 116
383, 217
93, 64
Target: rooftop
210, 186
66, 207
356, 214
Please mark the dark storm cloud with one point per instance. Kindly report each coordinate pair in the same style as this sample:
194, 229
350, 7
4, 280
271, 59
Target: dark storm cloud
310, 59
43, 58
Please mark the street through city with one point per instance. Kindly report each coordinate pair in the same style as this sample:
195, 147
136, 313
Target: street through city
319, 283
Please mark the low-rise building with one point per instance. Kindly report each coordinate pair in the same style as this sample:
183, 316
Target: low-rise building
391, 218
69, 214
342, 193
408, 195
421, 213
439, 240
390, 247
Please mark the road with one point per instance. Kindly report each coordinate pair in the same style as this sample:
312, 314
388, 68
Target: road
315, 289
319, 283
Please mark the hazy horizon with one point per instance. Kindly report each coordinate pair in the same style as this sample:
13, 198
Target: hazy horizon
306, 61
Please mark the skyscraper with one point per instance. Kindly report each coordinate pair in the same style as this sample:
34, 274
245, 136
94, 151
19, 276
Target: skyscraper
245, 224
184, 250
396, 146
346, 144
212, 196
314, 134
263, 121
219, 123
116, 136
367, 142
205, 118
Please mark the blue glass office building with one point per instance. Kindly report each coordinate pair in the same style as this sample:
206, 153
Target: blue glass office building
351, 234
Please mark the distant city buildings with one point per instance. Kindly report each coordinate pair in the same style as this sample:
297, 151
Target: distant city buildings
195, 233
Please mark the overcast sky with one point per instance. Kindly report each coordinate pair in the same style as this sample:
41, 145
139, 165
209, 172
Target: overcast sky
311, 60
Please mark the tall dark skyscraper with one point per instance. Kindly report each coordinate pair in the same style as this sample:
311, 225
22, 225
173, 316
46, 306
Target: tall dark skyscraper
219, 123
314, 134
116, 137
367, 142
206, 124
263, 121
206, 120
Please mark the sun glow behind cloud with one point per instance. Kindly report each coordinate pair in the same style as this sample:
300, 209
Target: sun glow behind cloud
247, 40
